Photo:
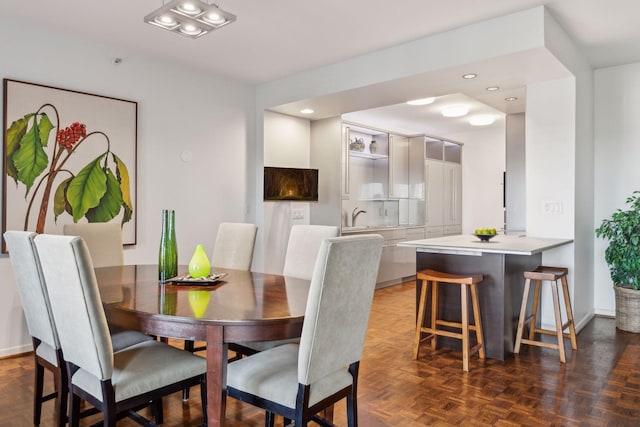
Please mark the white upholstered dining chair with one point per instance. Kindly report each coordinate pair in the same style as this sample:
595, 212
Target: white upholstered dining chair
302, 251
298, 381
234, 246
42, 328
104, 240
302, 248
113, 382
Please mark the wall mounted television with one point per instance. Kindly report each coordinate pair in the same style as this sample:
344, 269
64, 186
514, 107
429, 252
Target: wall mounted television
290, 184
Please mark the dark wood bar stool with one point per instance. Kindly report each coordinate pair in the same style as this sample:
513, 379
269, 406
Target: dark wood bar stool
550, 275
432, 331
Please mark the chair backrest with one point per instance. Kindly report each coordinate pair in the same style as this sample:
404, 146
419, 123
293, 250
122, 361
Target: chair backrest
31, 286
302, 249
234, 246
75, 302
338, 305
104, 240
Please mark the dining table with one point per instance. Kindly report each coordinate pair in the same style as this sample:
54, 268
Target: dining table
242, 306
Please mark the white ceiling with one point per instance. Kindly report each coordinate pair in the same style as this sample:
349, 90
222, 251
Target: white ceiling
272, 39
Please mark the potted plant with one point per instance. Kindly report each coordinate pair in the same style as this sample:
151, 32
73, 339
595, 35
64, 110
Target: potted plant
623, 258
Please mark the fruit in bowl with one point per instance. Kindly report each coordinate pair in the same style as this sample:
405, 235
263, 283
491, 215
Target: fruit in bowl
485, 234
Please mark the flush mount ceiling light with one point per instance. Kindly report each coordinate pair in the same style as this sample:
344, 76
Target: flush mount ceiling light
469, 76
191, 18
307, 111
456, 110
421, 101
482, 120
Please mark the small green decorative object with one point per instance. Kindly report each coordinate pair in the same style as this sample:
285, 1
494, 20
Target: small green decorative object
199, 266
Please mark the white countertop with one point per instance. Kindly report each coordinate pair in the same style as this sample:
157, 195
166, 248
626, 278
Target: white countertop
469, 244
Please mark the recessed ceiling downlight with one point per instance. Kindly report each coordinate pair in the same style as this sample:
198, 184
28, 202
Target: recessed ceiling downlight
511, 98
469, 76
189, 8
456, 110
190, 30
422, 101
165, 21
307, 111
493, 88
482, 120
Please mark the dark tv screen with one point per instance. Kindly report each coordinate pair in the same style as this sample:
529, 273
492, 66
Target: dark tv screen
290, 184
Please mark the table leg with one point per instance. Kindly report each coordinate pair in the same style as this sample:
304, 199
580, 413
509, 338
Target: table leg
216, 376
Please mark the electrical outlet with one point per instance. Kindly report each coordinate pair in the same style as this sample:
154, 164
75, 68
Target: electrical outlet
552, 207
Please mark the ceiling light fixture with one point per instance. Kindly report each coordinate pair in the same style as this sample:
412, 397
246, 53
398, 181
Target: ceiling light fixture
493, 88
307, 111
421, 101
482, 120
511, 98
469, 76
456, 110
192, 18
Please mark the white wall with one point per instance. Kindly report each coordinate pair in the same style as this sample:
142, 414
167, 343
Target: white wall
483, 161
550, 170
617, 154
178, 110
286, 144
581, 275
515, 191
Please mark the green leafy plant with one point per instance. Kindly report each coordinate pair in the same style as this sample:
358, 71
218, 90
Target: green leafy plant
623, 253
98, 192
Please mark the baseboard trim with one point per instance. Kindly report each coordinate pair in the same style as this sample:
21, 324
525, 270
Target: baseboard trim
15, 351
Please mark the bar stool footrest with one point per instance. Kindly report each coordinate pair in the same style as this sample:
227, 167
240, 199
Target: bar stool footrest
540, 344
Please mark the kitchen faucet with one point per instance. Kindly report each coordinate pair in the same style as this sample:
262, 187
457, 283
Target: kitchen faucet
355, 214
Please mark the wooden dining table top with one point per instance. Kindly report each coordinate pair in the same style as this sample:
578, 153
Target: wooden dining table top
240, 297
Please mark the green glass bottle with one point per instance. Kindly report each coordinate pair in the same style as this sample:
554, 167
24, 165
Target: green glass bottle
199, 266
168, 255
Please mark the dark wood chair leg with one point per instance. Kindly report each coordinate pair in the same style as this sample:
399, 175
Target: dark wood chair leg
157, 411
62, 397
38, 388
269, 419
74, 411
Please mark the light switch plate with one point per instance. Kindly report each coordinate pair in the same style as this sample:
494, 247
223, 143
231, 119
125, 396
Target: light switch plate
552, 207
297, 214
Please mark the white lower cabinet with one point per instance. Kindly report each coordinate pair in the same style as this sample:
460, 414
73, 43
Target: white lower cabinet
443, 198
396, 262
448, 230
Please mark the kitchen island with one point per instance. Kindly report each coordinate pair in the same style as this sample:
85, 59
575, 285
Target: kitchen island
502, 261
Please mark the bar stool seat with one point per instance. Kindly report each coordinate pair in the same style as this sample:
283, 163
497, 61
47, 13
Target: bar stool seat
432, 330
550, 275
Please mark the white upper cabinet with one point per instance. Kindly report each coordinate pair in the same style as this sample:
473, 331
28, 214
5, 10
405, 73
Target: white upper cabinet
434, 180
443, 185
398, 167
452, 192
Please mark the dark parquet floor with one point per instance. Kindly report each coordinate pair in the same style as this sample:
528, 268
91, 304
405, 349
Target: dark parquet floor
599, 386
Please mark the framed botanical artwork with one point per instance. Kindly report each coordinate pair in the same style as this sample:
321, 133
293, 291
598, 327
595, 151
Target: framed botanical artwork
69, 156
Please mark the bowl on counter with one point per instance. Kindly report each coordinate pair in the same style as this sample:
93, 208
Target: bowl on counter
485, 237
